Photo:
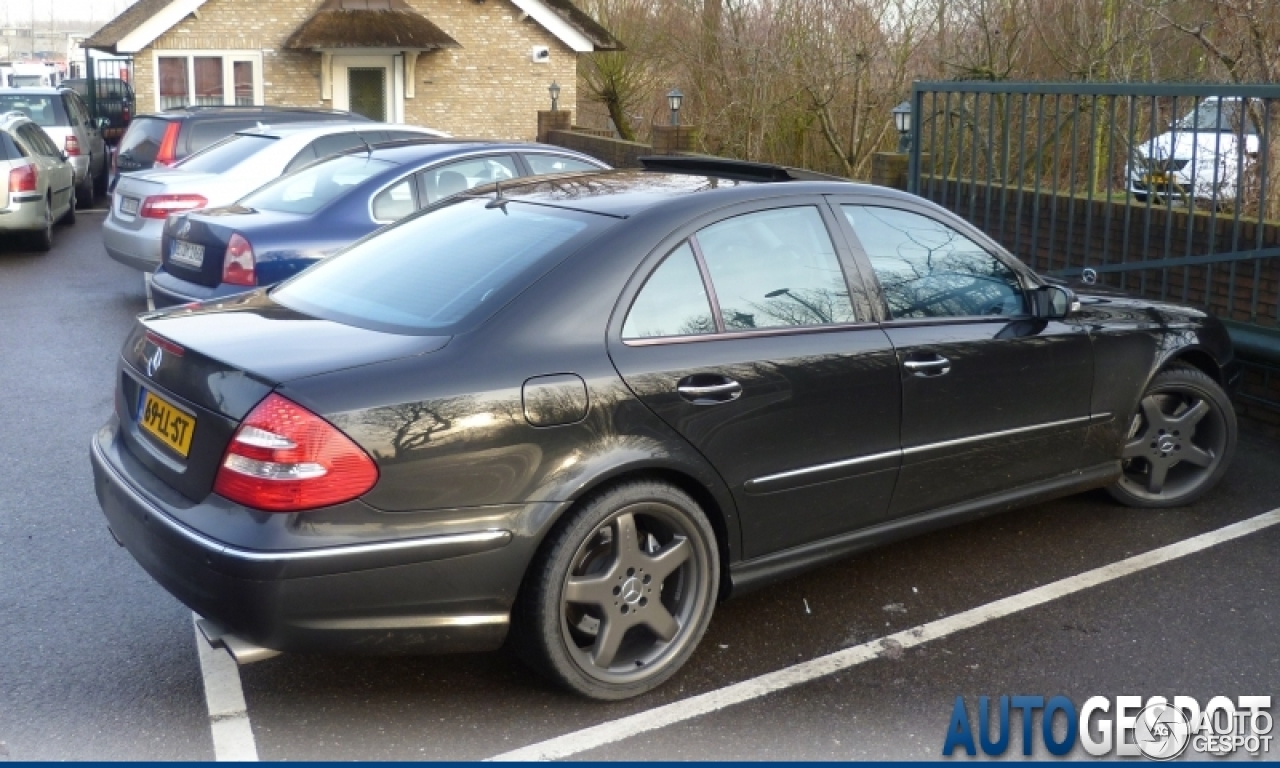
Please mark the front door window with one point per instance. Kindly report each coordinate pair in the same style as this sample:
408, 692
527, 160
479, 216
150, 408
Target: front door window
367, 89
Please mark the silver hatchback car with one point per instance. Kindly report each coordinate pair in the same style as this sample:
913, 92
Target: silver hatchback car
40, 181
65, 117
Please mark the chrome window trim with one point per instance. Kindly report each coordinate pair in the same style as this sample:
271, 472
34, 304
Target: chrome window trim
790, 330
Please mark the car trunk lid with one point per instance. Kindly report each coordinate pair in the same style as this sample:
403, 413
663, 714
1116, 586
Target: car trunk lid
194, 246
188, 378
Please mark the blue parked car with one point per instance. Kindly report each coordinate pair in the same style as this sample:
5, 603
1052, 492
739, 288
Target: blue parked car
286, 226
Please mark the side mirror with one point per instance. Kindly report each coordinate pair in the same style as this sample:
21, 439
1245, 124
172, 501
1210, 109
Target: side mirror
102, 122
1053, 302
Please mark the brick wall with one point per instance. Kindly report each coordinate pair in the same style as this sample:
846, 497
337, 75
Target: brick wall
615, 152
1055, 233
487, 88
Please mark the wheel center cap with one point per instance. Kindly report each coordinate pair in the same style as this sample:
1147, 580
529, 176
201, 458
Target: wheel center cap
1167, 445
631, 592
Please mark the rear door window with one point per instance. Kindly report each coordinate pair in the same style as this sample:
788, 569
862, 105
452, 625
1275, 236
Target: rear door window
673, 301
540, 164
395, 202
776, 269
452, 178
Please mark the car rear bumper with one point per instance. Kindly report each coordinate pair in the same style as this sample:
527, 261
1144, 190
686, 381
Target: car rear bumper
138, 248
167, 290
436, 594
24, 212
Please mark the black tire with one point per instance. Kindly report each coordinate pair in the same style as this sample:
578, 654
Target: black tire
69, 218
1180, 441
84, 191
103, 179
608, 644
42, 240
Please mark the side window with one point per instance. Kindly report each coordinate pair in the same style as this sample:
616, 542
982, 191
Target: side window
331, 145
776, 269
673, 301
307, 154
445, 180
395, 202
927, 269
540, 164
74, 116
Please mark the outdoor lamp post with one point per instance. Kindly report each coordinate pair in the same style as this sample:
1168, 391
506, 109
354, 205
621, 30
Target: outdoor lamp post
554, 90
674, 97
902, 120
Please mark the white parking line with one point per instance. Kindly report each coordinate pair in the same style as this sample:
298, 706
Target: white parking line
146, 285
228, 713
695, 706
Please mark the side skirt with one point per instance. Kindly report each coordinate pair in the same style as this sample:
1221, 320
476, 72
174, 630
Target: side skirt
758, 572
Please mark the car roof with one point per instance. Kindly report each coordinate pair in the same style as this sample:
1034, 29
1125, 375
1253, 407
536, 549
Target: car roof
415, 150
312, 128
667, 181
191, 112
41, 91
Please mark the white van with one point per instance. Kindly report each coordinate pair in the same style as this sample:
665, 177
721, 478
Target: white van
33, 76
1200, 157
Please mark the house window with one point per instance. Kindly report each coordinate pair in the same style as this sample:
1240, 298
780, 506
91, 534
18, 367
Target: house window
208, 78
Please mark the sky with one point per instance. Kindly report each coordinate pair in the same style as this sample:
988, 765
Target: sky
17, 13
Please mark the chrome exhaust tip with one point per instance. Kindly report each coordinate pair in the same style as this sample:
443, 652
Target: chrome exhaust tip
241, 650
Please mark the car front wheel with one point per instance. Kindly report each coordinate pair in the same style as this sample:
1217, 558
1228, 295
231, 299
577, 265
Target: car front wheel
1179, 442
621, 592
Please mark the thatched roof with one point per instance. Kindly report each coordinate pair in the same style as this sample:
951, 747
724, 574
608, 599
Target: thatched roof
589, 27
368, 24
117, 29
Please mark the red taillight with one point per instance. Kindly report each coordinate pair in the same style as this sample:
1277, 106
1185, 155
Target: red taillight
160, 206
22, 179
237, 265
168, 152
125, 115
284, 458
71, 146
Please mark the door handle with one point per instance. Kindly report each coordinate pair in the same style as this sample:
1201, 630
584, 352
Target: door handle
709, 394
938, 366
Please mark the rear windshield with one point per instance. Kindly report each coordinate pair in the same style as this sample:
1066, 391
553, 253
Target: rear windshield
44, 111
315, 186
443, 271
142, 141
226, 154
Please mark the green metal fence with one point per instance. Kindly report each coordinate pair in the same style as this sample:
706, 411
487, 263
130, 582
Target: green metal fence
1167, 191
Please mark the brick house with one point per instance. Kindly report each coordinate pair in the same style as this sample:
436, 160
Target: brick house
470, 67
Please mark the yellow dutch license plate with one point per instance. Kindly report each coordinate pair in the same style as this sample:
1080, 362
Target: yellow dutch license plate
166, 423
1157, 179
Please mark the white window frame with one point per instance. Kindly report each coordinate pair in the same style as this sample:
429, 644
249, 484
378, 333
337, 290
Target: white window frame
229, 57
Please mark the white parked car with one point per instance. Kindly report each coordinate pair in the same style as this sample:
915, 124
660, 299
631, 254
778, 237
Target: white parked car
223, 173
1200, 157
36, 182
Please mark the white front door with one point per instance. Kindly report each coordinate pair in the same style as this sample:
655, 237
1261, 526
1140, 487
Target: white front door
366, 85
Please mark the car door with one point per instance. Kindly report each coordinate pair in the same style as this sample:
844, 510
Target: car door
48, 157
992, 398
748, 333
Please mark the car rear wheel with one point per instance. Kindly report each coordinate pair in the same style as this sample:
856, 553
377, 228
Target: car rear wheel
1180, 441
621, 592
84, 190
42, 239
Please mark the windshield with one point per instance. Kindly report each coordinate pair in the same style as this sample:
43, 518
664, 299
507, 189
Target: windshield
44, 111
313, 187
226, 154
441, 271
1214, 115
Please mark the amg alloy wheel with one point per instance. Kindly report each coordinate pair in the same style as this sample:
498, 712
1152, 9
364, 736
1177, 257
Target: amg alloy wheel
622, 592
1180, 441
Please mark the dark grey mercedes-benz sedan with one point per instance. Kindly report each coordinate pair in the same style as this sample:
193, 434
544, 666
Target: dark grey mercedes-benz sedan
577, 411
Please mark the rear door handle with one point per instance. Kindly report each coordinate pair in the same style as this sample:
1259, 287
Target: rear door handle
725, 391
938, 366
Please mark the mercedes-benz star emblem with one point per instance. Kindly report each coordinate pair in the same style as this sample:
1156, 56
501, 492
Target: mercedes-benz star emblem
154, 361
1162, 732
631, 592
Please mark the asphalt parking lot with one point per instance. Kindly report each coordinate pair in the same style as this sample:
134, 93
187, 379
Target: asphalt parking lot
100, 663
